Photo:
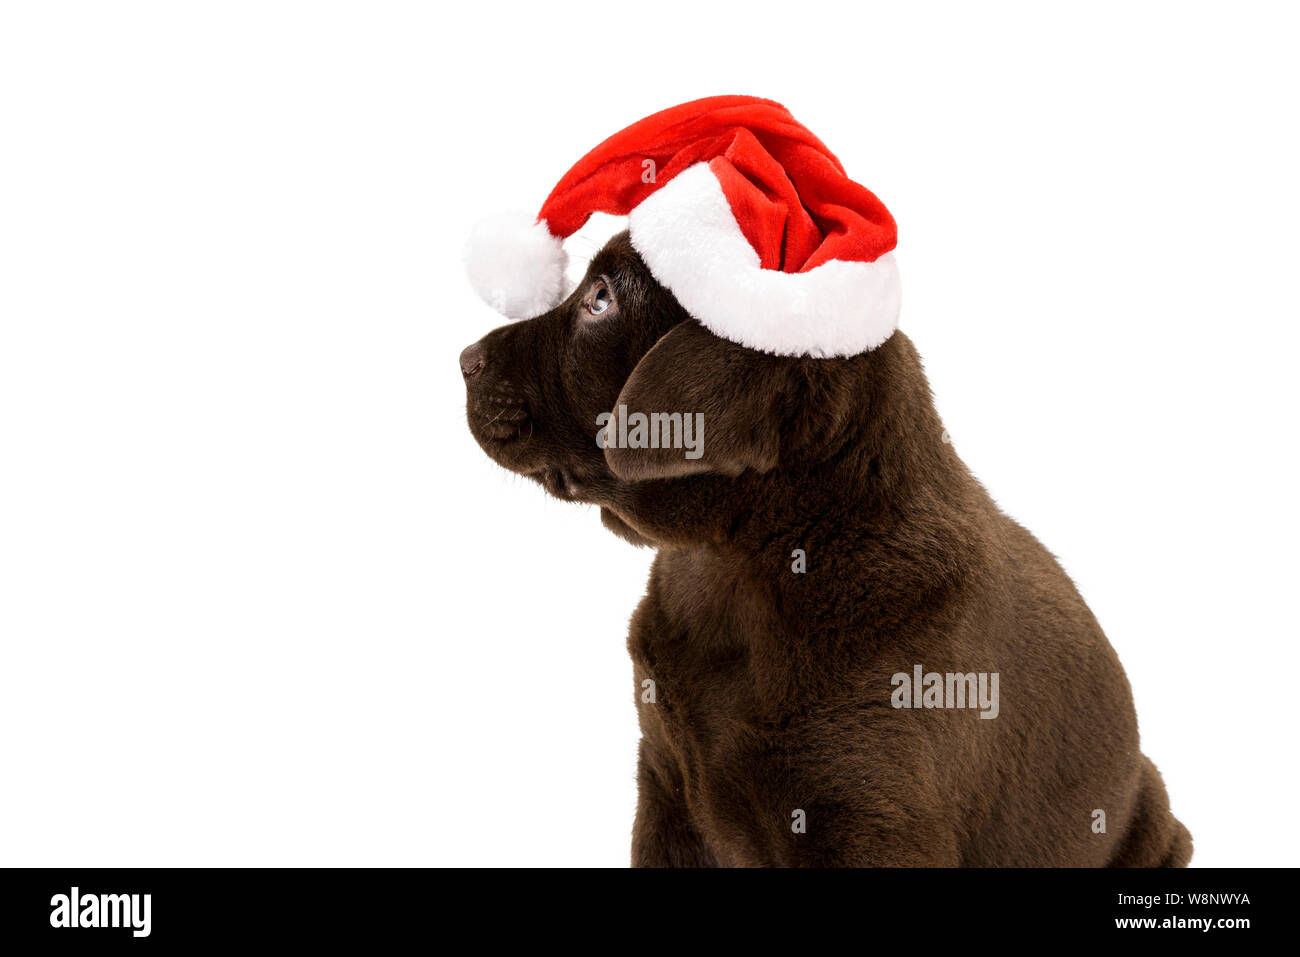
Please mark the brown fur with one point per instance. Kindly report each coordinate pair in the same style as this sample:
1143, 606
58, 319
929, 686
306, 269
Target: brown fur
772, 689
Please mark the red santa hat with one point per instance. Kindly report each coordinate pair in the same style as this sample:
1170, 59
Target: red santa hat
744, 215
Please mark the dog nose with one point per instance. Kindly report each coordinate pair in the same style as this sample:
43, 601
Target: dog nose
471, 360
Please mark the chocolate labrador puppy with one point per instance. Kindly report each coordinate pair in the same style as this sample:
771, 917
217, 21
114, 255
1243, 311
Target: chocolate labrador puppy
846, 654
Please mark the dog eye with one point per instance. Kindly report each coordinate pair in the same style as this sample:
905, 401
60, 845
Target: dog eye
598, 299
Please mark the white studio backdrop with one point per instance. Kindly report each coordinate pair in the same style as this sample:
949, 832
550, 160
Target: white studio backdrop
264, 601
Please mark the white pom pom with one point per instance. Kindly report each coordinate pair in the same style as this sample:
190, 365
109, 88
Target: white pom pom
516, 265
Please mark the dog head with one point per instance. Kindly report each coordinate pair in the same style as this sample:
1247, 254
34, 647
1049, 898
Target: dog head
618, 397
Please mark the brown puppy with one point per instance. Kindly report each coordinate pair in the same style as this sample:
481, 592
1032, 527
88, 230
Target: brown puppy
825, 550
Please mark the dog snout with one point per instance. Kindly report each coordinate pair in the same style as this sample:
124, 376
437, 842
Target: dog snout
472, 360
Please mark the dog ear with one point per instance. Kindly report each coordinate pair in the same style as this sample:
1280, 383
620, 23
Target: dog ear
728, 396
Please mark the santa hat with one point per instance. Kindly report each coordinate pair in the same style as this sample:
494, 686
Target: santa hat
738, 210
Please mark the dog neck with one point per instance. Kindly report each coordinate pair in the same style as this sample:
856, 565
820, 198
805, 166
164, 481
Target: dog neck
876, 453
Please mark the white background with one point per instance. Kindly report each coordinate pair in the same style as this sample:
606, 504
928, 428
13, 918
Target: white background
263, 600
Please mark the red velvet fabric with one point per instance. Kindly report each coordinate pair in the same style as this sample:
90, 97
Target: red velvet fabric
788, 192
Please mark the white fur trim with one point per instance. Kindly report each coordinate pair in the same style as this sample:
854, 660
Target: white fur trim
516, 265
689, 238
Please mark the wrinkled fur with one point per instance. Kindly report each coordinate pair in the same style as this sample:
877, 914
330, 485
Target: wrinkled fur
772, 689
